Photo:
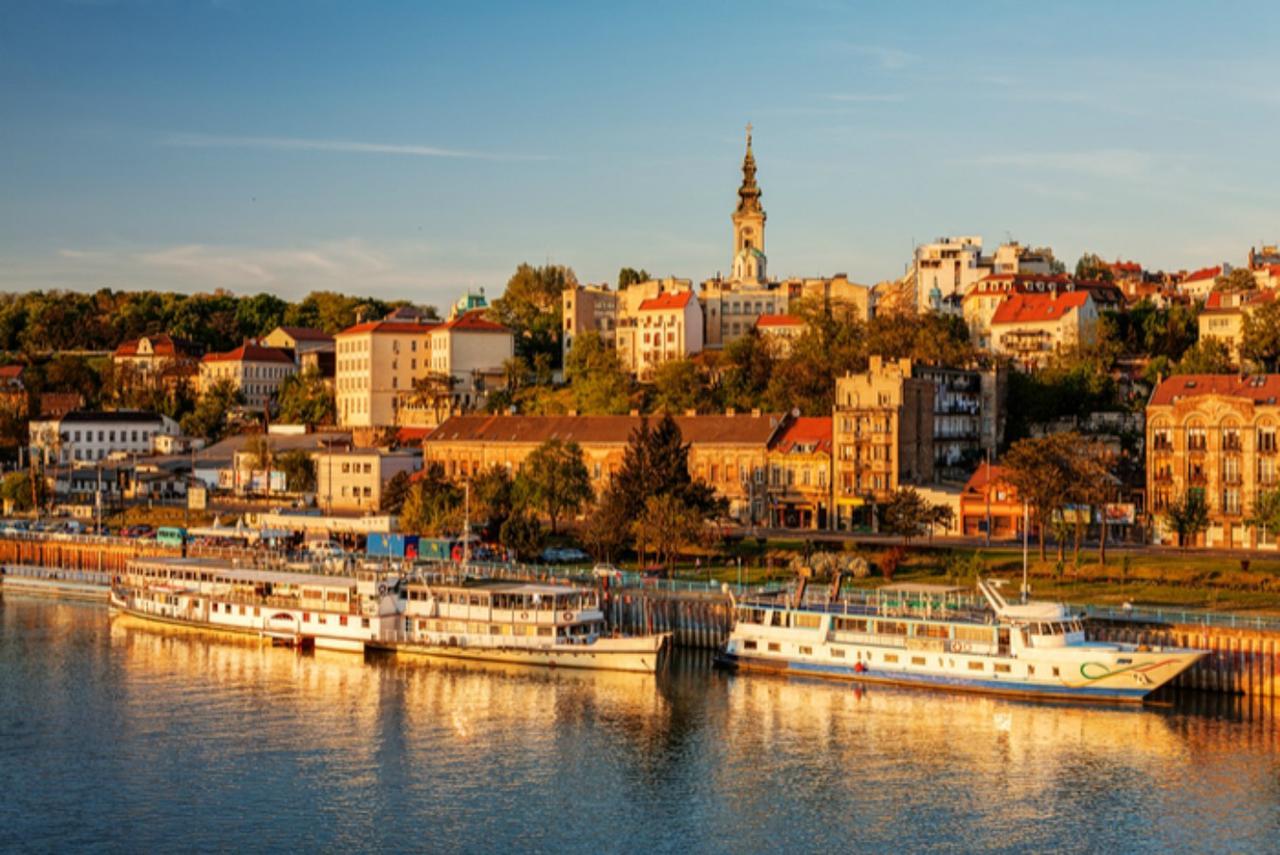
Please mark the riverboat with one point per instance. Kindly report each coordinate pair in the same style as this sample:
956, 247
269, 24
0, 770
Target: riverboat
518, 622
944, 638
303, 609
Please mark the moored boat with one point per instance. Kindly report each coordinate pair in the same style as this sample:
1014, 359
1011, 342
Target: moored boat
940, 637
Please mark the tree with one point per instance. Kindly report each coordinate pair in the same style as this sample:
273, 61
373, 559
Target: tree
668, 523
1188, 515
554, 480
209, 418
1209, 356
260, 314
17, 488
1261, 342
607, 528
433, 504
1092, 267
299, 470
395, 493
746, 365
906, 514
677, 386
629, 276
433, 391
1040, 470
1092, 485
1266, 512
600, 385
1238, 279
492, 499
305, 398
522, 535
532, 307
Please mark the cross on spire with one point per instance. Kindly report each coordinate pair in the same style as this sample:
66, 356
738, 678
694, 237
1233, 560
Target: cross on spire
748, 135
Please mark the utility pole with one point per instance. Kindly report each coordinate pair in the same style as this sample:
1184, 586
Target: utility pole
1026, 533
466, 523
988, 490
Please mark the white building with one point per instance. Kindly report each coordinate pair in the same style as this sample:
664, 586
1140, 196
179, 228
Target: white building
84, 437
945, 270
354, 479
255, 370
470, 349
377, 362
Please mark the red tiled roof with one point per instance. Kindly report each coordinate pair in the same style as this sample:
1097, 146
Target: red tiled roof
805, 431
474, 321
401, 327
162, 344
985, 474
1126, 266
1033, 308
250, 353
1259, 388
1214, 302
779, 321
407, 435
306, 334
669, 300
710, 429
1205, 273
11, 372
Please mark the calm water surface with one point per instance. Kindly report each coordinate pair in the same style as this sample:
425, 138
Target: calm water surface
116, 736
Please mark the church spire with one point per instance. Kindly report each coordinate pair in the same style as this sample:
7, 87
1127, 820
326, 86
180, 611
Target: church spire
749, 192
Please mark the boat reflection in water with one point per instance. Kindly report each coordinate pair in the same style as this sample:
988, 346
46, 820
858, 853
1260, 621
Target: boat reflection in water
376, 751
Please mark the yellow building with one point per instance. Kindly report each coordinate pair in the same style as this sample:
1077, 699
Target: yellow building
800, 474
1030, 328
664, 328
1223, 315
354, 479
470, 349
883, 438
254, 370
299, 340
589, 308
377, 362
729, 452
1214, 434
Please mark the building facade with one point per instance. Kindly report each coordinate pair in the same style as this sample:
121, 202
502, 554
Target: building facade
1030, 328
299, 341
883, 438
665, 328
1223, 315
376, 364
353, 480
469, 349
88, 437
990, 503
254, 370
800, 474
589, 308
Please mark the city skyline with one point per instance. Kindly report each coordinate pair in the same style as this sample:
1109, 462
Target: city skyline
420, 152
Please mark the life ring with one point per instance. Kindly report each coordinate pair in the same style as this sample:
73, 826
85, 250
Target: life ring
568, 615
960, 647
524, 616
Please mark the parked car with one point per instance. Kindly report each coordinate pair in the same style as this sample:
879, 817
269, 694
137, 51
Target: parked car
606, 571
571, 555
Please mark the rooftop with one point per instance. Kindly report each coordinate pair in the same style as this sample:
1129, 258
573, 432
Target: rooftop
305, 334
473, 321
708, 429
1259, 388
804, 434
1037, 308
667, 300
112, 417
779, 321
389, 327
249, 352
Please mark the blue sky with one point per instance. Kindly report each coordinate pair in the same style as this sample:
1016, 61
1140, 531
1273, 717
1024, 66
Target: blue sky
412, 150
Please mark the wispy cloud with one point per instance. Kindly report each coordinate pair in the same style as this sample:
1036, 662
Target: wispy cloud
888, 58
340, 146
866, 97
1111, 163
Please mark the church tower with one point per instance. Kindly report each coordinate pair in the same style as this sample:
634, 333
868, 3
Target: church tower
748, 224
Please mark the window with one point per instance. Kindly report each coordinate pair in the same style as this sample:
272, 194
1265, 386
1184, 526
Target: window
1001, 668
917, 660
806, 651
748, 645
976, 666
891, 657
774, 647
837, 652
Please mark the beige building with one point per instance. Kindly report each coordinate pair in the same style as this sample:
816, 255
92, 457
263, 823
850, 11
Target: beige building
883, 438
470, 349
589, 308
800, 474
1198, 284
780, 330
300, 340
945, 270
1223, 315
729, 452
1214, 434
156, 358
377, 362
665, 328
353, 480
1030, 328
255, 370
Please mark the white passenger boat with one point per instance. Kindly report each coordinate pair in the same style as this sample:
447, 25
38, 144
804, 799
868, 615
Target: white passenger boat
334, 612
528, 623
943, 638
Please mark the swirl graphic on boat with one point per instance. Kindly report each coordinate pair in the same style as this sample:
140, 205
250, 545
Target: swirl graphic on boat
1094, 671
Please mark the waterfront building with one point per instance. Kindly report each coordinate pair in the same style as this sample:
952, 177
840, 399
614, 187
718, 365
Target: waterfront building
800, 474
1214, 435
377, 362
987, 495
1030, 328
256, 371
354, 479
90, 436
883, 437
1223, 315
300, 341
729, 452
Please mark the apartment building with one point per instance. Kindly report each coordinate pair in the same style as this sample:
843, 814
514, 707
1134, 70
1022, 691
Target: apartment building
299, 341
354, 479
1215, 435
1223, 315
589, 308
470, 349
883, 438
156, 358
968, 416
1029, 328
256, 371
664, 328
91, 436
729, 451
800, 474
780, 330
376, 364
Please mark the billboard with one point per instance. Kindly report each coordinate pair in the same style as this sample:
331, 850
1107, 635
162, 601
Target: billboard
1120, 513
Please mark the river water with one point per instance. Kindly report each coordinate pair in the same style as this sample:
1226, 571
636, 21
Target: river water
118, 736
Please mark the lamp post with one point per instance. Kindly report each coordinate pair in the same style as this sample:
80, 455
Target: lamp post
1026, 529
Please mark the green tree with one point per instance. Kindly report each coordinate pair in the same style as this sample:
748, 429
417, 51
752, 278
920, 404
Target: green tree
596, 378
299, 469
433, 504
260, 314
434, 391
607, 528
1238, 279
16, 488
1210, 356
554, 480
209, 418
395, 493
1261, 343
677, 386
629, 276
906, 514
1040, 470
532, 307
1188, 515
1265, 514
1091, 267
522, 535
746, 365
670, 525
492, 499
305, 398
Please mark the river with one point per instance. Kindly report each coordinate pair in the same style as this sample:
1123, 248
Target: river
118, 736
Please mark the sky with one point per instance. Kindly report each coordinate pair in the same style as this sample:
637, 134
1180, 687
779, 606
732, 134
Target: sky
414, 150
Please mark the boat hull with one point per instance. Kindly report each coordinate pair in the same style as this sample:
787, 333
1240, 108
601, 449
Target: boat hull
1099, 691
643, 655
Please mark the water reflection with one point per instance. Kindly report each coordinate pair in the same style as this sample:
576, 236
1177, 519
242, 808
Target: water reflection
149, 738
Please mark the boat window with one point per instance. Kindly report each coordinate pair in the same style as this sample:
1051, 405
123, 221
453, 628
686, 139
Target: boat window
890, 627
1124, 661
847, 624
806, 651
917, 660
976, 666
1055, 671
932, 630
806, 621
748, 645
1001, 668
837, 652
891, 657
774, 647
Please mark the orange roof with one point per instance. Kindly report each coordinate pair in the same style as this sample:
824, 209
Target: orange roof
805, 432
162, 344
1259, 388
1247, 298
11, 372
1205, 273
249, 352
1034, 308
1126, 266
474, 321
400, 327
779, 321
986, 473
668, 300
711, 429
306, 334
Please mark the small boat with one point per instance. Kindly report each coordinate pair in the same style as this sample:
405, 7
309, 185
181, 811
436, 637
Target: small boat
518, 622
942, 637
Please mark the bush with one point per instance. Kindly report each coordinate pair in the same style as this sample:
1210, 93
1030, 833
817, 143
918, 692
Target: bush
889, 562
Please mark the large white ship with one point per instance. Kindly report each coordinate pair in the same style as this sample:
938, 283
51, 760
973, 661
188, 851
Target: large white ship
943, 638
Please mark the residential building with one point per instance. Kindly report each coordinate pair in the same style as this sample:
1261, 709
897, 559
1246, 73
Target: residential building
470, 350
377, 362
156, 358
87, 437
254, 370
1198, 284
883, 437
944, 271
800, 474
1223, 315
968, 416
664, 328
988, 294
13, 390
1261, 259
299, 341
353, 480
589, 308
988, 496
729, 452
782, 330
1214, 435
731, 308
1030, 327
